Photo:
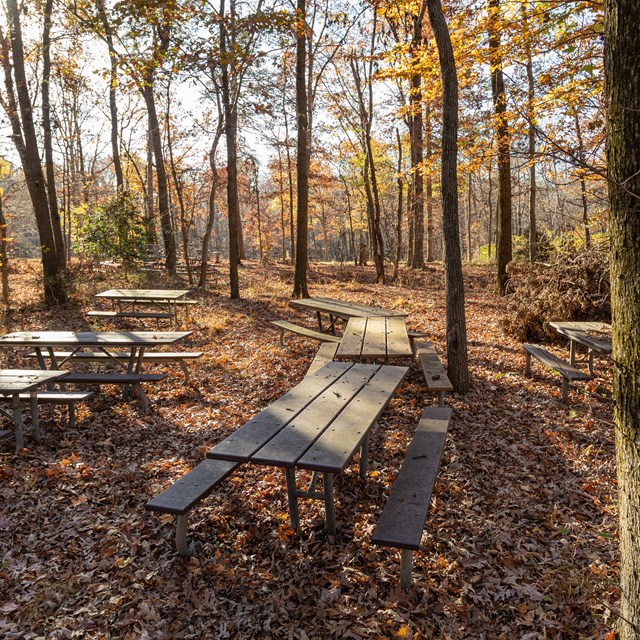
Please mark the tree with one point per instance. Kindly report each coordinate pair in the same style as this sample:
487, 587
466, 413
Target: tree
503, 141
622, 71
458, 369
18, 105
300, 289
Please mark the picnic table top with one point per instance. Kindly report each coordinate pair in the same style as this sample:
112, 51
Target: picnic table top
90, 338
20, 380
320, 423
342, 308
595, 335
143, 294
375, 337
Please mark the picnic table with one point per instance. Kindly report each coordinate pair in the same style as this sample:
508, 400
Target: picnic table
318, 426
374, 338
340, 309
13, 382
596, 336
125, 301
136, 342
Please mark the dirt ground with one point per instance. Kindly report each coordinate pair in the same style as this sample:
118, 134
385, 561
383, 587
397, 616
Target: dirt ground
521, 540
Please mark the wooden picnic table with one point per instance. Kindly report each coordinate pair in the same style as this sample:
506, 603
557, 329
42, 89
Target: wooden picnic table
596, 336
318, 426
165, 300
340, 309
13, 382
103, 341
374, 338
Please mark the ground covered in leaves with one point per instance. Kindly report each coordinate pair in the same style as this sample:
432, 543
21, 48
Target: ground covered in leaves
520, 542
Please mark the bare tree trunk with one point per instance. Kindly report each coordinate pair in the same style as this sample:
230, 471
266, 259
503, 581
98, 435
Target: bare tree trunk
622, 25
302, 162
533, 231
490, 210
4, 260
429, 184
113, 105
20, 114
469, 213
164, 207
400, 183
54, 212
282, 222
583, 182
503, 139
457, 360
230, 128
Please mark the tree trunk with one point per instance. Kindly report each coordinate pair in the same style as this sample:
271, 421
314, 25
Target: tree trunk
503, 139
302, 162
20, 115
4, 260
533, 231
113, 105
622, 70
469, 214
230, 129
457, 361
400, 182
429, 184
164, 208
583, 182
54, 212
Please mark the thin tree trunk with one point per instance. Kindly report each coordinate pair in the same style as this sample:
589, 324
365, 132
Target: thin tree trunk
302, 162
533, 231
20, 113
230, 128
4, 260
164, 207
622, 70
490, 196
282, 222
429, 184
469, 194
457, 360
583, 182
503, 139
54, 212
400, 183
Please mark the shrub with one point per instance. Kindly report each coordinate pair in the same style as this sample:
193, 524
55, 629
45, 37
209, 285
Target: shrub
573, 285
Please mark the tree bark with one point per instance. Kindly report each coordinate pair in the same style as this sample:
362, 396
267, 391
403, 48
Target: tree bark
457, 360
164, 208
230, 130
400, 183
300, 289
622, 70
503, 139
583, 181
20, 113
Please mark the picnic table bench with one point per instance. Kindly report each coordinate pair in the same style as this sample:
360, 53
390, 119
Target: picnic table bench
284, 325
317, 426
435, 375
405, 512
178, 357
568, 372
125, 301
595, 336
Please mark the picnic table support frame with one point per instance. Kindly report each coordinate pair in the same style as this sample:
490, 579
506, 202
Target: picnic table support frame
182, 545
293, 493
406, 566
364, 457
17, 417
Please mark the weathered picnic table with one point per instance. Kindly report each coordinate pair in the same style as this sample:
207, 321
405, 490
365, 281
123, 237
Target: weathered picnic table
596, 336
340, 309
104, 342
164, 303
374, 338
318, 426
14, 382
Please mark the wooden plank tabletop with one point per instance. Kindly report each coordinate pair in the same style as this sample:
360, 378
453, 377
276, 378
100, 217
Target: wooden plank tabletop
579, 332
143, 294
342, 308
340, 394
375, 338
334, 449
91, 339
20, 380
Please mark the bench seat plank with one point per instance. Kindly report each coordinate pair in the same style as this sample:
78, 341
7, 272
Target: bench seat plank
246, 440
113, 378
58, 397
196, 485
159, 315
283, 325
553, 362
286, 448
325, 354
121, 355
402, 521
435, 374
334, 449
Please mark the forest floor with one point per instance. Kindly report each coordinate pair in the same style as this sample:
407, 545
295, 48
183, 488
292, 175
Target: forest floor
521, 540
